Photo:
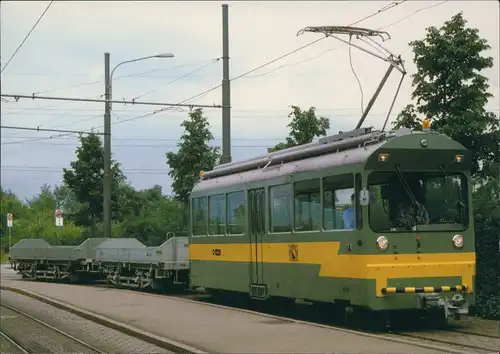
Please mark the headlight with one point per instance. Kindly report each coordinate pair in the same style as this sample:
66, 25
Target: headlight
382, 243
458, 241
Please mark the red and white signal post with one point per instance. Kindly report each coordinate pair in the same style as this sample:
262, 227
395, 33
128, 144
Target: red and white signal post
10, 220
59, 217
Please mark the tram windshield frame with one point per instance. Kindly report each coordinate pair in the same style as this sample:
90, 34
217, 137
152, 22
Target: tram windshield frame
416, 201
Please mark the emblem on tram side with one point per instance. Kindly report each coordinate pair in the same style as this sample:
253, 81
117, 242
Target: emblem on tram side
293, 252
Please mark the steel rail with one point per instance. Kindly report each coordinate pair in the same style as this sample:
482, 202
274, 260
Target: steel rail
487, 349
14, 342
402, 338
451, 348
67, 335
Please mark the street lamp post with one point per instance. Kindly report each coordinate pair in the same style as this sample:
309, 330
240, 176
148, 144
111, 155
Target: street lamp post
108, 77
162, 56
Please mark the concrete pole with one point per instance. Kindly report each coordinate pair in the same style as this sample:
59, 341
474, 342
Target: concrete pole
226, 90
107, 150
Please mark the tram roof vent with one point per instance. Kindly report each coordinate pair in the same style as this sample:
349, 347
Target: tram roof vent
345, 135
402, 131
339, 142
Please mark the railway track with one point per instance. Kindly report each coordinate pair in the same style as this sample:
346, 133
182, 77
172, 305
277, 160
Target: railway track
474, 333
458, 339
10, 345
28, 334
70, 324
452, 340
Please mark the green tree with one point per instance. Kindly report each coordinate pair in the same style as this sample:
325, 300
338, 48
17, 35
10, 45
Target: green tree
65, 199
194, 155
486, 195
450, 90
11, 204
156, 216
44, 200
35, 219
408, 118
304, 127
85, 181
129, 201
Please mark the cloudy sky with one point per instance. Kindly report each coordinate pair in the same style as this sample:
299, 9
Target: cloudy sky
64, 56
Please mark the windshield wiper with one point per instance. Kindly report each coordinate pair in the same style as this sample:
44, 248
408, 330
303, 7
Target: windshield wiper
408, 192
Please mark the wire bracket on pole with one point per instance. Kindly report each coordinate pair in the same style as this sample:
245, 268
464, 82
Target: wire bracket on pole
365, 35
353, 31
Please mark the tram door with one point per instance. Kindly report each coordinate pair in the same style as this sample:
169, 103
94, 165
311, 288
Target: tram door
257, 230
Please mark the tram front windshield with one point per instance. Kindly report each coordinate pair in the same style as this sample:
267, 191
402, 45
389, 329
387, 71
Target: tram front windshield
418, 201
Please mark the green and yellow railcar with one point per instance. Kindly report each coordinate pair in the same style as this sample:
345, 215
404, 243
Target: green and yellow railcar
369, 219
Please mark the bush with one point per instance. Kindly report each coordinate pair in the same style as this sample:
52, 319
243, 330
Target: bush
487, 266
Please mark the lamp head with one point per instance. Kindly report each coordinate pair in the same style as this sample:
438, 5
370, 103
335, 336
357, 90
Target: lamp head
164, 55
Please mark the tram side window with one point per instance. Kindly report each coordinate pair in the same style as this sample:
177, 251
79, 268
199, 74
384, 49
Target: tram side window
235, 213
200, 216
307, 205
281, 208
217, 209
338, 202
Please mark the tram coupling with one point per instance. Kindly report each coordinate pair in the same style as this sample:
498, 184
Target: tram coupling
452, 307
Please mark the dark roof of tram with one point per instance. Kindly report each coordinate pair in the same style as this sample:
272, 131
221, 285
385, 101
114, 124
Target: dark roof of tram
357, 155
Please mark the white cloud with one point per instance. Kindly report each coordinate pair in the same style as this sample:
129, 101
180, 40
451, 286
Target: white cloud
67, 49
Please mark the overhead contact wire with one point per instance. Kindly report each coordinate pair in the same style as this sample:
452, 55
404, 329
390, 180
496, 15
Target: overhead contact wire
388, 7
179, 78
27, 36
